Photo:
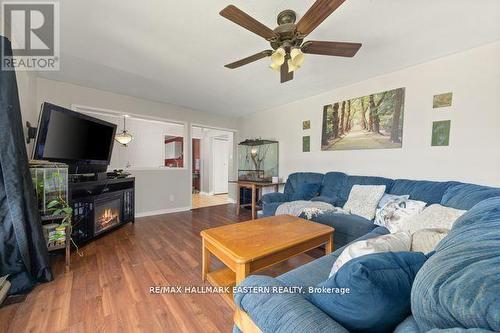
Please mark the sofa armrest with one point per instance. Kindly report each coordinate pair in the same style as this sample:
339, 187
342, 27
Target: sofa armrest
282, 312
273, 197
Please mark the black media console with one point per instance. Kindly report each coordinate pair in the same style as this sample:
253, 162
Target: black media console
100, 206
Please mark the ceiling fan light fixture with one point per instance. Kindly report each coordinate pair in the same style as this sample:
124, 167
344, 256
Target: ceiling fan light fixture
275, 67
287, 40
291, 66
278, 58
297, 57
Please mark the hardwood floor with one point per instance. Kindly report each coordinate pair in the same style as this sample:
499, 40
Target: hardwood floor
202, 200
107, 290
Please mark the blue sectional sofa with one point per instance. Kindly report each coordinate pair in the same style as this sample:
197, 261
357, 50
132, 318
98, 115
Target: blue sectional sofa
336, 186
458, 288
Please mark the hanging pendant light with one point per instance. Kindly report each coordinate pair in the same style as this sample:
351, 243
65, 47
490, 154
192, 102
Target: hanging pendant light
124, 137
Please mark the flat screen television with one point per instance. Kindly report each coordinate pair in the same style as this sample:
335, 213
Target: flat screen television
84, 143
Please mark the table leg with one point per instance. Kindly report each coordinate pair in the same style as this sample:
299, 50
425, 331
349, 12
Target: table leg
329, 245
253, 202
242, 271
238, 202
68, 250
205, 260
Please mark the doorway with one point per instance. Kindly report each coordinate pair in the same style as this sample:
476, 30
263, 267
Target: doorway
212, 163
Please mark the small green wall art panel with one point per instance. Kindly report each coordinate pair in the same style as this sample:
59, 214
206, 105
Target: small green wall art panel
441, 133
442, 100
370, 122
306, 124
306, 144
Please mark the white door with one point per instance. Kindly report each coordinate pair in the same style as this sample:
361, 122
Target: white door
221, 165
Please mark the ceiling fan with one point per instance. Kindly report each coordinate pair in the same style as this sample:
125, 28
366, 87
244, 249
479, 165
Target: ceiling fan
287, 40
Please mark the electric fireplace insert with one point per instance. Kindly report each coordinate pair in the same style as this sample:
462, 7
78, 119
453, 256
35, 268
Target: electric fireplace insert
107, 212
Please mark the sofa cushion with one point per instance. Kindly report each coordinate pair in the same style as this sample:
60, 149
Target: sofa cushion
305, 191
317, 271
380, 286
347, 227
297, 178
333, 182
409, 325
465, 196
282, 312
459, 330
422, 190
350, 181
458, 286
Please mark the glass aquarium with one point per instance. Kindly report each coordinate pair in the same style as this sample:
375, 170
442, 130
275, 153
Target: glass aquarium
257, 160
50, 181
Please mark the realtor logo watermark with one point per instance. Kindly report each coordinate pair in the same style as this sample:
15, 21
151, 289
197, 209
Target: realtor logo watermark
33, 28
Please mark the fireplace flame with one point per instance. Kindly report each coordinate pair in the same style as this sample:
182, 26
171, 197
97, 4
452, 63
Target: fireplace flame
109, 217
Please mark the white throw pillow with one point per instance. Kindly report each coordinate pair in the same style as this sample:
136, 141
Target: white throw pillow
396, 214
434, 216
398, 242
363, 200
425, 240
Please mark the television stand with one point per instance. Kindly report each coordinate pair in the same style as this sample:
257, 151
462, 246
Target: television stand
100, 206
78, 178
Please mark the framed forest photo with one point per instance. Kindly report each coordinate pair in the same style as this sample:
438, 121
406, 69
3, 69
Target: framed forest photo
368, 122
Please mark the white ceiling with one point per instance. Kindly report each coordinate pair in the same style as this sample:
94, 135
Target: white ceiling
175, 51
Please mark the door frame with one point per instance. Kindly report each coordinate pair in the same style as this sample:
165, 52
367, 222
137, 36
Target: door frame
213, 162
232, 172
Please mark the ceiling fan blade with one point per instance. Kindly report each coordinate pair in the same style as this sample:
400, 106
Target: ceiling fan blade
319, 11
241, 18
285, 74
338, 49
249, 59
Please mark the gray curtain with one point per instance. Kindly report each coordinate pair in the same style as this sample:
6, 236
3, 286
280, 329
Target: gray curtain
23, 253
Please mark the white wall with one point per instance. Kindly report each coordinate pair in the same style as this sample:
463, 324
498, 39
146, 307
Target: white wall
157, 191
473, 155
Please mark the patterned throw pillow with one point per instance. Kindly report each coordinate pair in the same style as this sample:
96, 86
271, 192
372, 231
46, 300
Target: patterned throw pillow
391, 197
396, 213
363, 200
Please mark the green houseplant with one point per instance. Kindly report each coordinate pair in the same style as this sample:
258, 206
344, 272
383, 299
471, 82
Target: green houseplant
60, 207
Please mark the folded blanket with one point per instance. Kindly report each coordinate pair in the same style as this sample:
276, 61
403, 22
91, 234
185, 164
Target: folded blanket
308, 208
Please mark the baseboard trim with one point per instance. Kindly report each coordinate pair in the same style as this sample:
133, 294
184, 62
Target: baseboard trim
207, 193
162, 211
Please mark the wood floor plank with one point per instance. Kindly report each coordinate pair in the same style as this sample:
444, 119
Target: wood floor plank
107, 290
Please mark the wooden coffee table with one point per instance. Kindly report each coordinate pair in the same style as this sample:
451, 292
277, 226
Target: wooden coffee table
248, 247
